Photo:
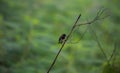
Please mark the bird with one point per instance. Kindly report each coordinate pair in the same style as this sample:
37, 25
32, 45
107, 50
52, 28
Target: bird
62, 38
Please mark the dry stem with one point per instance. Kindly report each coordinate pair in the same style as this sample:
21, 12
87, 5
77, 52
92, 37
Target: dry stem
98, 17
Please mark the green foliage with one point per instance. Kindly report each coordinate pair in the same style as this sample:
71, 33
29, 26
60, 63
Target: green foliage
29, 31
114, 67
109, 69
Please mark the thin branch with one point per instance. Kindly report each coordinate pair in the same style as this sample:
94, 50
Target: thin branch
113, 53
71, 31
101, 11
96, 18
96, 38
63, 44
80, 37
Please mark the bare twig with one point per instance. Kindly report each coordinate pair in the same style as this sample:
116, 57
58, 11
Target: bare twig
81, 37
100, 12
113, 52
71, 31
96, 18
63, 44
96, 38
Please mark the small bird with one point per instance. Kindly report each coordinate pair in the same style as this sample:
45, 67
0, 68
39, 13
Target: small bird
62, 38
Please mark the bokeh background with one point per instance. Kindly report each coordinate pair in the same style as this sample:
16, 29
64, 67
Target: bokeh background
29, 32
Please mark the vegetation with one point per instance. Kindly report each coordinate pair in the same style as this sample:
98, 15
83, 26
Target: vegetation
30, 29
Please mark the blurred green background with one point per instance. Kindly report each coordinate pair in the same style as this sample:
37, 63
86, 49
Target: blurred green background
29, 32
